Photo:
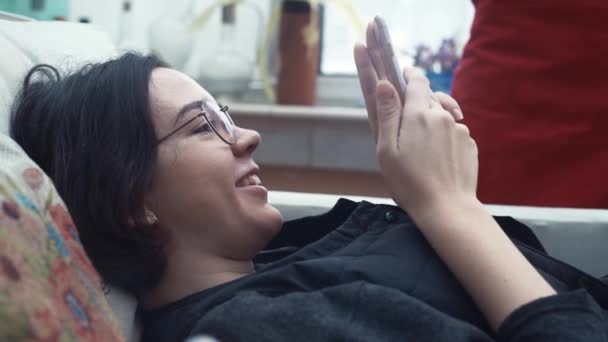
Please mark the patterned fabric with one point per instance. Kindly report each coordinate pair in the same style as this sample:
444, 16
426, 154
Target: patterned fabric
49, 290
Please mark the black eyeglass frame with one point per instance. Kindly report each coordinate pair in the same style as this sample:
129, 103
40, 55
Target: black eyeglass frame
223, 109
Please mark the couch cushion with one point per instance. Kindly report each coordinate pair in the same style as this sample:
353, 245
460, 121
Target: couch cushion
49, 289
62, 44
12, 68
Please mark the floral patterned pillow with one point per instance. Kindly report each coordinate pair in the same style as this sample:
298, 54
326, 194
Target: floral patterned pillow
49, 290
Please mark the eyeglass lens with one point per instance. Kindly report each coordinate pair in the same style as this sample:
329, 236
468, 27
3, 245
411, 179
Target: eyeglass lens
221, 121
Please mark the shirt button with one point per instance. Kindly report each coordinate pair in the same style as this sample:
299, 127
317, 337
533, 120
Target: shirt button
390, 217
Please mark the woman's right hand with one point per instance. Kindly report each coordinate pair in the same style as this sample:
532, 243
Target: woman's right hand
428, 160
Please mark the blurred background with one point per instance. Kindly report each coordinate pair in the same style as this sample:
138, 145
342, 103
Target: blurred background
284, 68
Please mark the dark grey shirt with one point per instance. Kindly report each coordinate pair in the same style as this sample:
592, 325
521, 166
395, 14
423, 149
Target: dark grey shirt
364, 312
373, 278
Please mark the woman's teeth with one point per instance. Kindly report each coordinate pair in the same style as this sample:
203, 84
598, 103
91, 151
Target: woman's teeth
249, 180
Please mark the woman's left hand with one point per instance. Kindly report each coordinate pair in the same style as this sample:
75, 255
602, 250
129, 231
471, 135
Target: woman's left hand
429, 163
427, 158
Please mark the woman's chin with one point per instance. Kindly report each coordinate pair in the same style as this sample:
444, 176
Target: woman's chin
271, 219
277, 217
257, 211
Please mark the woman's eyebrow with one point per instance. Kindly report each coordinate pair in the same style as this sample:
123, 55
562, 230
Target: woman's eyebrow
186, 108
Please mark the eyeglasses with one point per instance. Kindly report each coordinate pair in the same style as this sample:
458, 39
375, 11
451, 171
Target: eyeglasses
216, 118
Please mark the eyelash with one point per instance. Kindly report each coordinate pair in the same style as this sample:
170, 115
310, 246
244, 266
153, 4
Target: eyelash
203, 129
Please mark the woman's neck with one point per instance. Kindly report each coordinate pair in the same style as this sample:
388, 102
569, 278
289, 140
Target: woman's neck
188, 273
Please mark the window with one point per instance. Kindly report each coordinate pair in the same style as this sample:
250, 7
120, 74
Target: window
414, 25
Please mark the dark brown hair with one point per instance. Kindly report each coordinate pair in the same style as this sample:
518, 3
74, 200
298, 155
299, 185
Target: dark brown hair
92, 133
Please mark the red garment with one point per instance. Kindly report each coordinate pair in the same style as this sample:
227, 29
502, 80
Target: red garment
533, 86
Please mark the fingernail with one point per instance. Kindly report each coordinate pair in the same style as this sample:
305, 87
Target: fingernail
458, 114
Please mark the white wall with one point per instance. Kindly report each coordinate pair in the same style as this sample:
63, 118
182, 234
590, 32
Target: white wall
106, 15
130, 29
411, 21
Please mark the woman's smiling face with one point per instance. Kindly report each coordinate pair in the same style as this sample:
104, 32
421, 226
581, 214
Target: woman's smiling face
205, 192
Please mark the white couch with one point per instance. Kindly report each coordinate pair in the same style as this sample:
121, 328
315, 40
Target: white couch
574, 235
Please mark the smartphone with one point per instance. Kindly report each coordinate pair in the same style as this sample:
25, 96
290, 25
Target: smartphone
393, 70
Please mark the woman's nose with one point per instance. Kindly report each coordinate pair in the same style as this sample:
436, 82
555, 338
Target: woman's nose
246, 142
